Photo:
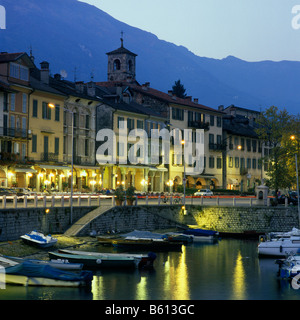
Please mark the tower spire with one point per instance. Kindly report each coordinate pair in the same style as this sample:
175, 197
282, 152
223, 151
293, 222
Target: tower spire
122, 33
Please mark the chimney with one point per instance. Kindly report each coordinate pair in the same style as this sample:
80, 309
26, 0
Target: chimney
170, 93
221, 108
196, 100
188, 98
45, 72
91, 89
57, 76
79, 86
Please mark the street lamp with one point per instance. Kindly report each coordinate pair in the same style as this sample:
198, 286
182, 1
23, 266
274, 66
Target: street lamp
296, 163
184, 178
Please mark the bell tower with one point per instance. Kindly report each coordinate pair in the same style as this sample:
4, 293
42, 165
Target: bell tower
121, 64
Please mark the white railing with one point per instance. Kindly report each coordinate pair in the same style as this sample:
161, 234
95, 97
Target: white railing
64, 200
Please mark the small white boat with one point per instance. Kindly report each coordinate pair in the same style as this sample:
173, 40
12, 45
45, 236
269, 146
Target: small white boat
279, 245
39, 239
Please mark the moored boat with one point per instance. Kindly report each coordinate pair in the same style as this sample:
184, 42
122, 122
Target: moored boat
62, 264
147, 244
98, 262
145, 262
39, 239
289, 267
32, 274
202, 235
281, 246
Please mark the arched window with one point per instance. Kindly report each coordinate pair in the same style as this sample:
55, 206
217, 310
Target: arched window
117, 64
130, 66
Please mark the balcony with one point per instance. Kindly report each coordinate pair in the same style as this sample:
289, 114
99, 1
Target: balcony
198, 125
217, 146
49, 157
13, 132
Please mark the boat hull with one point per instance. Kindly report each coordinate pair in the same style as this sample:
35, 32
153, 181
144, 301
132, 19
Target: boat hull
97, 262
147, 245
276, 248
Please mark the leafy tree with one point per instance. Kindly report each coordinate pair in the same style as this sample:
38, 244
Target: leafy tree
178, 89
274, 124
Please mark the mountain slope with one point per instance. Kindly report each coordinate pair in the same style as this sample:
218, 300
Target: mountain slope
75, 36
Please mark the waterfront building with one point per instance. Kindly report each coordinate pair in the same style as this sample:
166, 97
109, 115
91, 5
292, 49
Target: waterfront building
14, 76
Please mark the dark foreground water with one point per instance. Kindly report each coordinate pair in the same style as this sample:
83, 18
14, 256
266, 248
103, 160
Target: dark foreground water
228, 270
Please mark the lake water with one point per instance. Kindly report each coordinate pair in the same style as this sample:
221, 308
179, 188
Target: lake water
227, 270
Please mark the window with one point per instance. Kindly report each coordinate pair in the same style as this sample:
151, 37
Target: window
254, 143
46, 111
254, 163
243, 143
12, 101
242, 163
5, 101
34, 143
230, 164
121, 122
130, 124
19, 72
212, 120
34, 108
177, 114
120, 149
237, 162
24, 103
190, 116
219, 163
117, 65
24, 127
248, 163
219, 122
87, 121
56, 145
211, 162
23, 154
86, 147
57, 111
140, 124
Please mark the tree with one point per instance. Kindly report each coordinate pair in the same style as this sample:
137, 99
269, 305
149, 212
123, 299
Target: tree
178, 89
274, 125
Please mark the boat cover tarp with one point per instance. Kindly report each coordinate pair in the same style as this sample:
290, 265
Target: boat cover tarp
144, 234
200, 232
30, 269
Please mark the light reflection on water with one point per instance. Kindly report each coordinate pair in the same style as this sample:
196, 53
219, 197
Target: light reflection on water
228, 270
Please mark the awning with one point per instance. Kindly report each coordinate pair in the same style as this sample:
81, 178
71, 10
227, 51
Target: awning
25, 170
45, 166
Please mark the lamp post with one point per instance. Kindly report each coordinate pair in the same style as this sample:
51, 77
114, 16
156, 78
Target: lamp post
297, 179
184, 178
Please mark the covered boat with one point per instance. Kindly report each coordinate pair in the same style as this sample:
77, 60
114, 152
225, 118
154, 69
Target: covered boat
145, 262
39, 239
98, 262
147, 244
62, 264
32, 274
289, 267
200, 235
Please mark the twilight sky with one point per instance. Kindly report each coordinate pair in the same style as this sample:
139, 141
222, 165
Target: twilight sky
252, 30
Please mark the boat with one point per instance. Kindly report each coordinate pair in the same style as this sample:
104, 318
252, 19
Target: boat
31, 274
289, 267
147, 244
145, 262
180, 237
202, 235
61, 264
39, 239
280, 246
98, 262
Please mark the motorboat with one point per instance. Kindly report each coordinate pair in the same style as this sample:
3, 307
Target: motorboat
289, 267
31, 274
39, 239
145, 260
202, 235
279, 244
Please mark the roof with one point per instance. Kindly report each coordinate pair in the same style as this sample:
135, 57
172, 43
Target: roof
161, 95
121, 50
9, 57
39, 85
240, 125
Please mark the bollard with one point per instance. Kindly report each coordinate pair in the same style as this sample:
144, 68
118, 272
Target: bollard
4, 202
44, 201
79, 201
25, 201
159, 200
99, 201
217, 201
201, 201
35, 201
89, 201
113, 201
62, 201
171, 200
234, 202
268, 202
286, 202
52, 201
146, 199
250, 202
15, 202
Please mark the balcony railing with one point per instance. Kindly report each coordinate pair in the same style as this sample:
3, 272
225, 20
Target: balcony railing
49, 156
13, 132
198, 125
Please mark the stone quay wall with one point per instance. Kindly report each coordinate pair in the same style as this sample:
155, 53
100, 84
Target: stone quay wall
15, 222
